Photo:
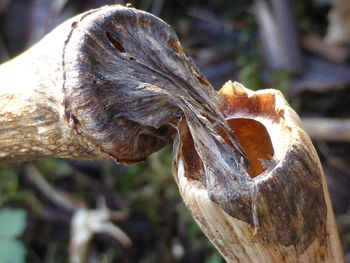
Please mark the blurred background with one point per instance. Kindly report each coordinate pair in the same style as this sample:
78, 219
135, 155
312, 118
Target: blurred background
299, 47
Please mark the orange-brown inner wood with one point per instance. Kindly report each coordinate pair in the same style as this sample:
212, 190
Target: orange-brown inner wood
256, 142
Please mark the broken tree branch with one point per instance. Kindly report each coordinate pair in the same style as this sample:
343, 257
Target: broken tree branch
115, 83
59, 98
105, 84
279, 210
32, 114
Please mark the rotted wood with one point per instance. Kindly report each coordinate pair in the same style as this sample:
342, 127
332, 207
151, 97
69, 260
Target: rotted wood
115, 83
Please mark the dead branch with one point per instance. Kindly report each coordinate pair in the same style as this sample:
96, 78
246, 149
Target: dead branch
105, 84
279, 210
328, 129
63, 99
85, 222
278, 35
50, 193
115, 83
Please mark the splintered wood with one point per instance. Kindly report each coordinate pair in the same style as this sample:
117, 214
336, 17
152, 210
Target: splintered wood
277, 209
115, 83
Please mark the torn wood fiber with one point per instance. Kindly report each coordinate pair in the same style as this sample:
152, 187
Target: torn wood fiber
115, 83
279, 209
126, 77
128, 82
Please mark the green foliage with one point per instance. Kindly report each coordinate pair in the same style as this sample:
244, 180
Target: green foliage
10, 190
12, 222
130, 177
249, 75
12, 251
8, 184
280, 80
53, 166
215, 258
12, 225
249, 61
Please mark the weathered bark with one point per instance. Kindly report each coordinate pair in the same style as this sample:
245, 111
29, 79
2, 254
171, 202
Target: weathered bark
115, 83
32, 113
280, 211
104, 85
32, 120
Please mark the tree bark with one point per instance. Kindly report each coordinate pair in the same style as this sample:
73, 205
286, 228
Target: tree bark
115, 83
280, 210
32, 119
105, 84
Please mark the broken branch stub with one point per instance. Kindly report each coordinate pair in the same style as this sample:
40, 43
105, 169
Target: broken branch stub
106, 84
279, 209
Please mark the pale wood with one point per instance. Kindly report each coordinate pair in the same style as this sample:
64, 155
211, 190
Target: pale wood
106, 84
278, 35
73, 95
32, 118
242, 241
113, 82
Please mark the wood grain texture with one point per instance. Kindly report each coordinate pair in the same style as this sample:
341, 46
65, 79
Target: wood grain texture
141, 82
116, 80
281, 215
32, 123
115, 83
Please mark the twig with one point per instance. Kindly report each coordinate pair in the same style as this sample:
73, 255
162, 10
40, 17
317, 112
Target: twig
319, 46
278, 34
85, 224
3, 51
328, 129
48, 191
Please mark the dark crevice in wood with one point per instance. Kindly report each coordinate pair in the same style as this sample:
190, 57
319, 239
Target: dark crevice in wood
115, 43
202, 80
